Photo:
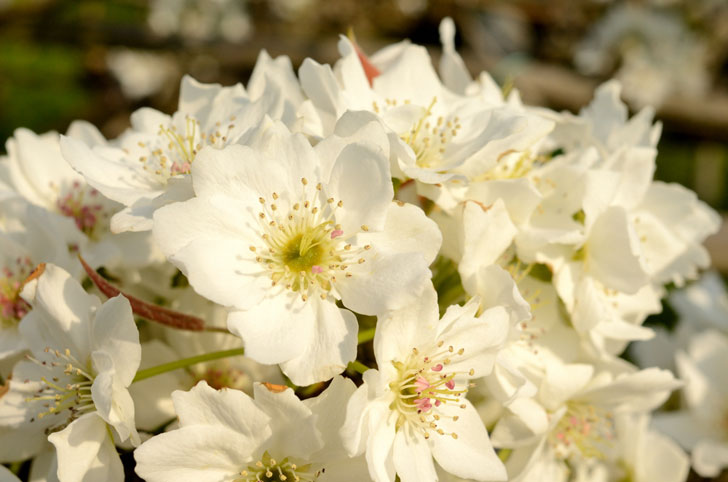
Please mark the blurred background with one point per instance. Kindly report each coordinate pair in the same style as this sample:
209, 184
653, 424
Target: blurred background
100, 60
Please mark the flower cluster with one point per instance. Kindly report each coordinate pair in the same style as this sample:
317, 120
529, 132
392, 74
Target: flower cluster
428, 279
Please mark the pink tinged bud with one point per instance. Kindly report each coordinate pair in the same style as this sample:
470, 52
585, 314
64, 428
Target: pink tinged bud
336, 233
421, 384
437, 368
316, 269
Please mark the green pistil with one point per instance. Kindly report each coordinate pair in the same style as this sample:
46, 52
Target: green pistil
301, 253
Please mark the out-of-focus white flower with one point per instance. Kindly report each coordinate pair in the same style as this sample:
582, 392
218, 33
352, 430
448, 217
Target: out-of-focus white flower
36, 170
73, 389
647, 455
571, 420
139, 73
29, 236
657, 55
414, 407
704, 303
226, 435
702, 426
279, 231
612, 236
201, 20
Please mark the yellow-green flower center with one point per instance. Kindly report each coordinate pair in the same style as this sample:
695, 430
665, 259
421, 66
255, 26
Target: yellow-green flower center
302, 247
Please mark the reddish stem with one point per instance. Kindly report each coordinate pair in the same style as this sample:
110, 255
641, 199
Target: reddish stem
146, 310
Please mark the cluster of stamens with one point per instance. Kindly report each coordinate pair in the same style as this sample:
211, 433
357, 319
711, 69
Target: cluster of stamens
423, 385
584, 430
12, 306
429, 137
175, 150
268, 469
304, 249
513, 165
66, 390
85, 206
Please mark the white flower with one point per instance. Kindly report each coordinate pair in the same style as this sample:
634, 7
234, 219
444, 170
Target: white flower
414, 407
441, 135
36, 170
280, 231
226, 435
147, 166
702, 426
73, 388
571, 420
29, 235
647, 455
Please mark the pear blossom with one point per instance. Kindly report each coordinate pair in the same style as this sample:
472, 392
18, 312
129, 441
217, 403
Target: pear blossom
702, 425
278, 231
440, 134
36, 170
29, 235
148, 165
572, 418
226, 435
72, 390
413, 408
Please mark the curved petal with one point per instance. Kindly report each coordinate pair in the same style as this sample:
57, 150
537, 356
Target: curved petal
115, 333
412, 457
86, 452
275, 330
470, 455
360, 179
198, 453
332, 347
226, 408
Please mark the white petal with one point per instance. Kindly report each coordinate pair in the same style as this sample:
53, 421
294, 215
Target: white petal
709, 458
329, 408
226, 408
488, 232
332, 346
360, 178
454, 74
112, 399
412, 457
291, 422
613, 252
401, 330
386, 281
471, 455
115, 333
275, 330
199, 453
86, 452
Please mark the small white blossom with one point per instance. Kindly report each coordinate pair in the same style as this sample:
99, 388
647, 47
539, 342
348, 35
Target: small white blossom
73, 387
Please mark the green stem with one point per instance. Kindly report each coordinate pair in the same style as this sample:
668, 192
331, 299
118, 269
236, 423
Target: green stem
366, 335
358, 367
185, 362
